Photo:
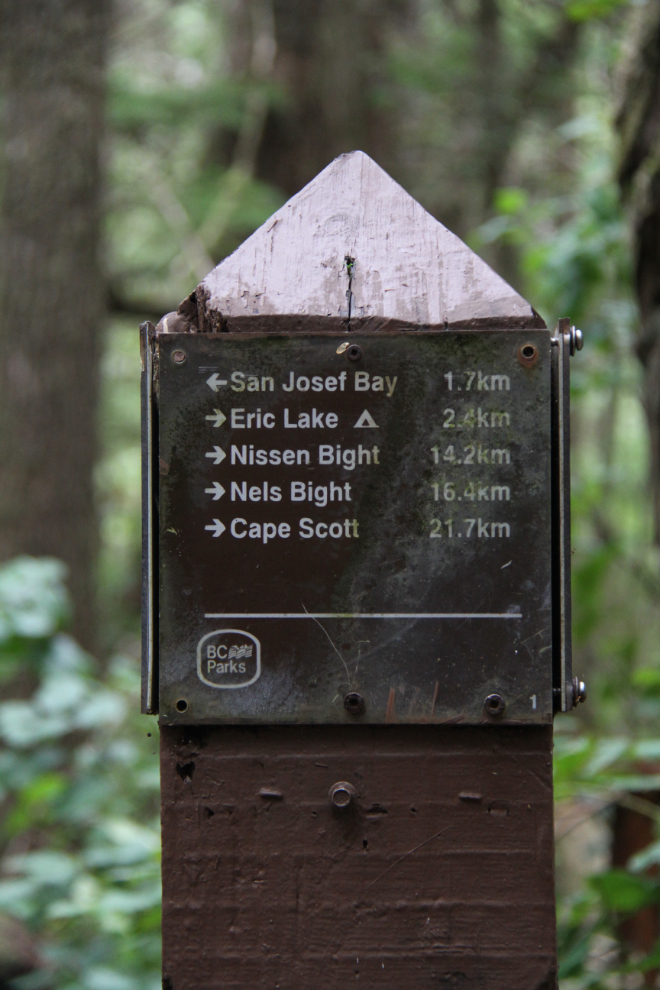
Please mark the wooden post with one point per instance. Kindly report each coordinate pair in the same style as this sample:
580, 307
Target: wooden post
371, 801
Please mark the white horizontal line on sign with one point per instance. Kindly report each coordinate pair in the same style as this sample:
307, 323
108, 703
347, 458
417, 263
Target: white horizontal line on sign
363, 615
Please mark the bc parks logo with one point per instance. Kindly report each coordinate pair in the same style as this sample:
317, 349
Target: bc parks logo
229, 658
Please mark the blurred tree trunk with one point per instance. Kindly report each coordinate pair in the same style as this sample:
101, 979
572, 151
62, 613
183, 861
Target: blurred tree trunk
632, 832
52, 295
638, 122
330, 59
509, 100
505, 103
639, 175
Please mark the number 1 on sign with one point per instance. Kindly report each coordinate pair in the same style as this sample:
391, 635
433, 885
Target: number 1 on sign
533, 701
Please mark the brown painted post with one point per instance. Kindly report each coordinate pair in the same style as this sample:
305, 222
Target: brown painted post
356, 684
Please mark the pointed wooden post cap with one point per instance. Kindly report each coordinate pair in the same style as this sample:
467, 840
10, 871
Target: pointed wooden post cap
354, 248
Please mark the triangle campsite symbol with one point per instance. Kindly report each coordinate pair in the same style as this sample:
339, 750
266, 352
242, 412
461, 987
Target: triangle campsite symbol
366, 420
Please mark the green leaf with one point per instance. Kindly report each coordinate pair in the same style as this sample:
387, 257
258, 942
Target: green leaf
587, 10
130, 901
45, 866
511, 200
606, 752
33, 600
647, 857
624, 892
647, 680
16, 897
647, 749
36, 802
102, 978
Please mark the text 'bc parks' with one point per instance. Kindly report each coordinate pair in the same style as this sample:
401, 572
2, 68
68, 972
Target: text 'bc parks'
353, 515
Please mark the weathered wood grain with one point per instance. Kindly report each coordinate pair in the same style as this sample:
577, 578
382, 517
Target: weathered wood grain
440, 876
354, 247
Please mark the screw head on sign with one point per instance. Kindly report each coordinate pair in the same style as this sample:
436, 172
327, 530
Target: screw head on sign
528, 355
178, 357
341, 794
579, 691
494, 705
577, 340
354, 703
354, 352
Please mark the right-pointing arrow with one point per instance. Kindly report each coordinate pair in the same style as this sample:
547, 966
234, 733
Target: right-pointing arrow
217, 454
217, 491
218, 417
217, 528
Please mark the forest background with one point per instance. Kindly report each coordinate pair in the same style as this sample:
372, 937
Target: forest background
141, 142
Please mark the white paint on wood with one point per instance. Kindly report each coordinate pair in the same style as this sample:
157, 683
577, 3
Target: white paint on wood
406, 265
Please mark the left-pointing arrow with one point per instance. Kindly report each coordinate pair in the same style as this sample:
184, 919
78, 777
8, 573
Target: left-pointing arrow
217, 454
215, 382
218, 417
217, 528
217, 491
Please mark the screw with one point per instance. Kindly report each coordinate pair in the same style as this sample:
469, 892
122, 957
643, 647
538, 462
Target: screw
341, 794
528, 355
579, 691
494, 705
577, 340
354, 352
178, 357
354, 703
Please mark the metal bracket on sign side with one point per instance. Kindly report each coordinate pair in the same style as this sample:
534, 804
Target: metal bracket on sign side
563, 346
149, 542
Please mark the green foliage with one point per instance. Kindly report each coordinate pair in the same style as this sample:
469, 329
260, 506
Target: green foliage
586, 10
179, 201
647, 681
603, 772
574, 251
79, 784
623, 892
33, 601
586, 256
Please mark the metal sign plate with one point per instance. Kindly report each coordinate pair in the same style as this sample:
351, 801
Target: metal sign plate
353, 534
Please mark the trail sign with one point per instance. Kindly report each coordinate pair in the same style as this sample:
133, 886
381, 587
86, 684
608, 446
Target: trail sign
383, 527
357, 604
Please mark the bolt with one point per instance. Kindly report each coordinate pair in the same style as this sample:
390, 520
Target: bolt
494, 705
354, 352
341, 794
178, 357
579, 691
354, 703
576, 340
528, 355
